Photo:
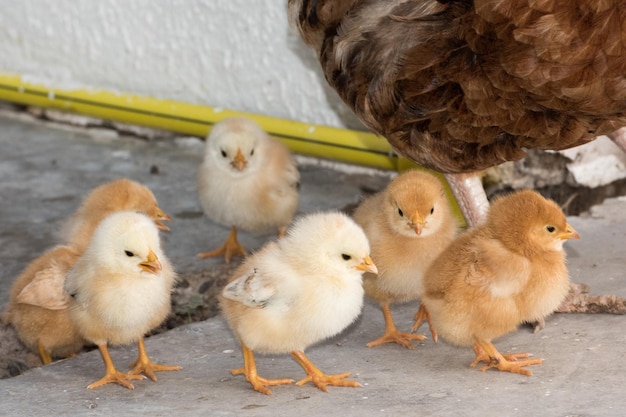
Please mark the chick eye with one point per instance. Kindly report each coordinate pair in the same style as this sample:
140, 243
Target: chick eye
346, 257
129, 253
400, 212
252, 152
432, 210
550, 229
224, 154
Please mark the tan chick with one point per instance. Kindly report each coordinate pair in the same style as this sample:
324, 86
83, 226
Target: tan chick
408, 225
500, 274
297, 291
248, 180
37, 306
120, 289
119, 195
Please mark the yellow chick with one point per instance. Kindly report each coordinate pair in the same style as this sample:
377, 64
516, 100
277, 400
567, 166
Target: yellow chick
120, 289
297, 291
509, 270
119, 195
248, 180
408, 225
37, 306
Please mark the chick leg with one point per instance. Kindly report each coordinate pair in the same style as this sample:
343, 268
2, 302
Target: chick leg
392, 334
46, 358
112, 374
320, 379
145, 365
419, 317
228, 249
249, 370
487, 352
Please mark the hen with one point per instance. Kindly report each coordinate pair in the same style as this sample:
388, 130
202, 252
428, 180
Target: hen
459, 86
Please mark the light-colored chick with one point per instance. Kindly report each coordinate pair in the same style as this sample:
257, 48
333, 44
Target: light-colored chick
500, 274
37, 306
120, 289
408, 225
248, 180
119, 195
297, 291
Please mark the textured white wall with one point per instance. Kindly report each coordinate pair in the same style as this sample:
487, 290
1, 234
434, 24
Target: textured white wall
235, 54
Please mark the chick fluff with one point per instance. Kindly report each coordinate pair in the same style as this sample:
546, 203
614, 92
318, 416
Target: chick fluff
507, 271
407, 224
37, 306
247, 180
297, 291
118, 195
120, 289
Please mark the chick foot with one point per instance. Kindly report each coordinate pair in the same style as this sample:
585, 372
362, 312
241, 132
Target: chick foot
420, 315
112, 374
392, 334
249, 370
486, 352
143, 364
317, 377
230, 248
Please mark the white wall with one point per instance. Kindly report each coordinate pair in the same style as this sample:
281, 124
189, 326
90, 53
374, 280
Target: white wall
236, 54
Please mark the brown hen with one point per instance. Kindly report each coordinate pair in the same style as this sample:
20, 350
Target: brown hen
460, 86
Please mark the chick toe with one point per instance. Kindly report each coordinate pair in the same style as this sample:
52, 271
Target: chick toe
486, 352
319, 378
144, 364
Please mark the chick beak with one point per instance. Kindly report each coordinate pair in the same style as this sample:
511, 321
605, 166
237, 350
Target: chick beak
152, 265
239, 162
161, 217
417, 223
569, 233
367, 265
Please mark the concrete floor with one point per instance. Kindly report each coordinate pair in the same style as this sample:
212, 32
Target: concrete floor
44, 173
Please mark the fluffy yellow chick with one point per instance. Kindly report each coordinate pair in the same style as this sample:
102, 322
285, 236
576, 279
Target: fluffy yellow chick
119, 195
248, 180
408, 225
120, 289
37, 306
509, 270
298, 291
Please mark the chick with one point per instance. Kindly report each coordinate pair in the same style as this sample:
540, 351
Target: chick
494, 277
298, 291
37, 306
119, 195
408, 225
120, 289
247, 180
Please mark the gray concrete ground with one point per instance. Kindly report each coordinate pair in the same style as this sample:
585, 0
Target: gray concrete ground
44, 172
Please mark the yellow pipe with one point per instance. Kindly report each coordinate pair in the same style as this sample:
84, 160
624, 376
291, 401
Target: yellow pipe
351, 146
